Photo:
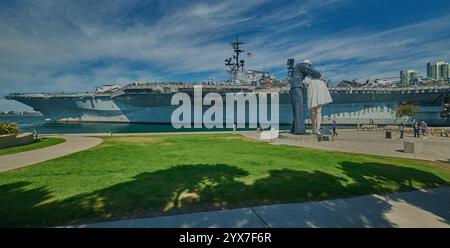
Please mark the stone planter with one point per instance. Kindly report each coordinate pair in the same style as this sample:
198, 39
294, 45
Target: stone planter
10, 140
413, 147
269, 135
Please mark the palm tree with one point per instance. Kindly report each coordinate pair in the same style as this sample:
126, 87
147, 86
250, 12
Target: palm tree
8, 128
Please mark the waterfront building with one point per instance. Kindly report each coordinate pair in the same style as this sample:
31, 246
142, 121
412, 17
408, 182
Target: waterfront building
439, 70
408, 77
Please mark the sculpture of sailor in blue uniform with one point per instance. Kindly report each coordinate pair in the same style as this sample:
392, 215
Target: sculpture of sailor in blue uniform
318, 94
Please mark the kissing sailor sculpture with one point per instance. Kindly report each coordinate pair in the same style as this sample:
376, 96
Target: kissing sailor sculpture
318, 95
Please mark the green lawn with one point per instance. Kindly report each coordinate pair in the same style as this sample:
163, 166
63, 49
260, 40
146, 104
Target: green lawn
129, 177
39, 143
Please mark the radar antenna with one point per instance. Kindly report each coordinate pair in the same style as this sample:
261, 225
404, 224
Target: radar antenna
234, 64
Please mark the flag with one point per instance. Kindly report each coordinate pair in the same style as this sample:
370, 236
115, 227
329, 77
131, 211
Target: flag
249, 54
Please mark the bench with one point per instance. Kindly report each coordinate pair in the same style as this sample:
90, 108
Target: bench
369, 127
439, 131
325, 135
409, 130
391, 128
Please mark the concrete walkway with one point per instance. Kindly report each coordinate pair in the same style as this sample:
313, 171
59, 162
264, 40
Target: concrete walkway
71, 145
424, 208
373, 143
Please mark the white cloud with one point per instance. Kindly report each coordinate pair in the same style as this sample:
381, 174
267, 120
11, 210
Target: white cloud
358, 54
77, 45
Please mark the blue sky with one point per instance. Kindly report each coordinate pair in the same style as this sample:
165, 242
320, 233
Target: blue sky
62, 45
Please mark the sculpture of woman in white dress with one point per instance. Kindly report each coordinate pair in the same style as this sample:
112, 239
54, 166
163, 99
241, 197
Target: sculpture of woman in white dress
318, 95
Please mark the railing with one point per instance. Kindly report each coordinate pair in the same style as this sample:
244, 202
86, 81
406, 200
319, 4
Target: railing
425, 89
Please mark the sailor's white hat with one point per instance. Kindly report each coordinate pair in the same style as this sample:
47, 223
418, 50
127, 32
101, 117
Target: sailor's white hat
307, 61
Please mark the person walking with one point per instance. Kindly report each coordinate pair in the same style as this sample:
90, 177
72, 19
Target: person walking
402, 130
423, 128
334, 126
416, 127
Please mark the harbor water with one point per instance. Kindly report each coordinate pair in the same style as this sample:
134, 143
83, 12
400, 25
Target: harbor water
41, 126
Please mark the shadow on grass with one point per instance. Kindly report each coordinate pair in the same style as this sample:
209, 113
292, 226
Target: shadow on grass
199, 187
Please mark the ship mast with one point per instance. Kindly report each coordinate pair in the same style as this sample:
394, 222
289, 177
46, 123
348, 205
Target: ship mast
235, 65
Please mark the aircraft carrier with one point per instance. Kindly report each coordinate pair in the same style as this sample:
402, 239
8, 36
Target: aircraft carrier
140, 102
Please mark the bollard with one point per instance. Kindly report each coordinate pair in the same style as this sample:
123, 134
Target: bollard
388, 134
412, 147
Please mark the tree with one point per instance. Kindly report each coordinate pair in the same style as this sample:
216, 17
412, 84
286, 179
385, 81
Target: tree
406, 109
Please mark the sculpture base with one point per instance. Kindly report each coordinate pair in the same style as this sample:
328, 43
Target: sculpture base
299, 137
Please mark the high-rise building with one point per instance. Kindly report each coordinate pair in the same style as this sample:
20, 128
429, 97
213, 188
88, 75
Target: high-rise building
446, 72
439, 70
408, 77
430, 69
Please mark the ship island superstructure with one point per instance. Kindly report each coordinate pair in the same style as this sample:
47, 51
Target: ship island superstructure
141, 102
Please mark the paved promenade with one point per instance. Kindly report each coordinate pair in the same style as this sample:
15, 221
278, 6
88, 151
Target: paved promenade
422, 208
374, 143
71, 145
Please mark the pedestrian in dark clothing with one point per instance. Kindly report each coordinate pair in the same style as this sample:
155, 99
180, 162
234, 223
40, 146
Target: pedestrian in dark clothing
334, 126
402, 130
416, 129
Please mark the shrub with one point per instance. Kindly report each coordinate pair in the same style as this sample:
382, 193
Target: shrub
8, 128
406, 109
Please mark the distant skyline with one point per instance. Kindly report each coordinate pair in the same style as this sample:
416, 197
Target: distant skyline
62, 45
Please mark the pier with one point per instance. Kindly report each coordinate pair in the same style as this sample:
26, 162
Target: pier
434, 148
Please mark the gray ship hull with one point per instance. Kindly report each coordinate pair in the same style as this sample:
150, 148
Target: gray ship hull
350, 106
